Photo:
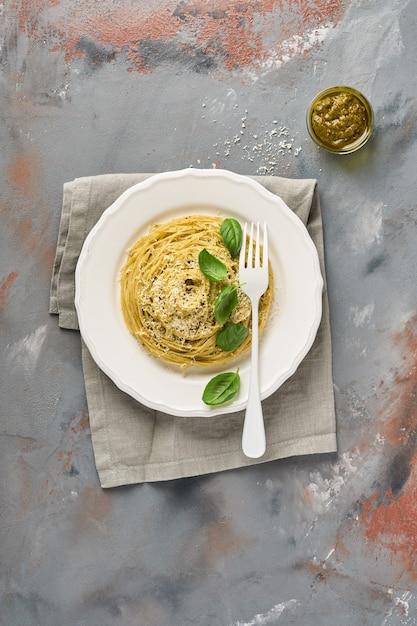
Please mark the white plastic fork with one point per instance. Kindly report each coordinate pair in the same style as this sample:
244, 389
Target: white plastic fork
253, 280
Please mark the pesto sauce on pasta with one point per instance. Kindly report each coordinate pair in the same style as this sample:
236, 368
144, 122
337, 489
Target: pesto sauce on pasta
168, 303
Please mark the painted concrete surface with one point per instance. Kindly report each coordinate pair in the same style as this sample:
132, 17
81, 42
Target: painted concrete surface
123, 86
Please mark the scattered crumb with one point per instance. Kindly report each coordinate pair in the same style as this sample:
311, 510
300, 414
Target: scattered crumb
266, 147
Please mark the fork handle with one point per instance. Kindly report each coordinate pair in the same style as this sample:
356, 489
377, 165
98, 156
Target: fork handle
253, 437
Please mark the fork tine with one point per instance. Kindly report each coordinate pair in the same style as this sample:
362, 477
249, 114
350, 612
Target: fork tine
242, 256
265, 247
257, 248
249, 261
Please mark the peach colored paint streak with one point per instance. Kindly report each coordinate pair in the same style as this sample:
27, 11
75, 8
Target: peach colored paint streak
29, 11
5, 288
391, 520
96, 504
83, 424
33, 241
22, 173
231, 32
66, 458
394, 524
24, 176
222, 539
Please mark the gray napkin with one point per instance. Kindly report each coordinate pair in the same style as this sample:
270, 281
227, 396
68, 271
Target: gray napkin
135, 444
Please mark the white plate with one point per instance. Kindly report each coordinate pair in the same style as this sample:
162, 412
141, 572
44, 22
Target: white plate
293, 319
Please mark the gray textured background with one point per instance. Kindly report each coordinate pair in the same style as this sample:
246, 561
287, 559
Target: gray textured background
112, 86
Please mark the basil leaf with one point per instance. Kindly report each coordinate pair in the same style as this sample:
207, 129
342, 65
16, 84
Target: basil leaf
231, 234
231, 336
224, 304
211, 266
222, 388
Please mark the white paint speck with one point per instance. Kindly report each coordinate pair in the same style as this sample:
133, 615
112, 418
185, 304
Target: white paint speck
399, 606
367, 227
25, 352
362, 316
295, 46
270, 617
403, 602
324, 489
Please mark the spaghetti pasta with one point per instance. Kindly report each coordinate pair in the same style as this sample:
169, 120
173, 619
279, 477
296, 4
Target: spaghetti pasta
168, 303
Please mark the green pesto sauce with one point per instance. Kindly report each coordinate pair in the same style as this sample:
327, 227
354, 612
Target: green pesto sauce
339, 120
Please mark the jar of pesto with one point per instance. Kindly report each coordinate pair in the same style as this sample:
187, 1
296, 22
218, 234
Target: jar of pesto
340, 120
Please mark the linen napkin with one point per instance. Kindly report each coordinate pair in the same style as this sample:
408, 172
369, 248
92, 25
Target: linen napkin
133, 443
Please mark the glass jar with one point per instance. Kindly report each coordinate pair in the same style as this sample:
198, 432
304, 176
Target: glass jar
340, 120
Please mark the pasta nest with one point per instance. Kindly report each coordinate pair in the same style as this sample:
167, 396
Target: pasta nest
168, 303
